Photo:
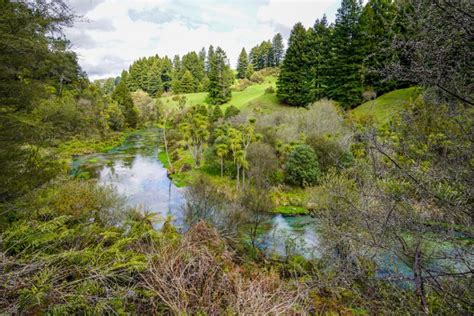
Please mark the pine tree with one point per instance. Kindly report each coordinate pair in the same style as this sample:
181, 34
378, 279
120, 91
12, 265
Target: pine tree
202, 56
295, 81
217, 114
187, 83
249, 71
220, 78
278, 49
210, 54
166, 73
320, 44
242, 64
346, 62
124, 99
155, 85
377, 23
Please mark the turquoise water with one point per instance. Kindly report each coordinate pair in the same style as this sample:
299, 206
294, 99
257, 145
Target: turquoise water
136, 173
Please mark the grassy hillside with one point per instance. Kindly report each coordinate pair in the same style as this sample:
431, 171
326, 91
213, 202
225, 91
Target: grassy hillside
241, 99
383, 108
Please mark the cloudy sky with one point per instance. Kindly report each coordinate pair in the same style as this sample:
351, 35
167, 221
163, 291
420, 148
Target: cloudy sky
113, 33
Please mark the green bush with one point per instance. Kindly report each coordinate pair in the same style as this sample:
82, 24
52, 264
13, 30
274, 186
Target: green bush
330, 153
257, 78
269, 90
231, 111
302, 167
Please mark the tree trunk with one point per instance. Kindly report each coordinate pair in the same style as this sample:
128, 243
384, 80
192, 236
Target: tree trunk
222, 167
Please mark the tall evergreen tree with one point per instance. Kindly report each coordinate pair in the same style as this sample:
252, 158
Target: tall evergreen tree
210, 54
320, 45
378, 27
166, 73
155, 85
202, 56
124, 99
220, 78
278, 49
347, 55
242, 64
187, 83
295, 81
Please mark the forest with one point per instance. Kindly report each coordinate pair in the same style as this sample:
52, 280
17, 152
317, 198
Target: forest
329, 172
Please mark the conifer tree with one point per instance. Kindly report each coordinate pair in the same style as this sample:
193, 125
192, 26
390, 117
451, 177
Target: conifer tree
124, 99
320, 44
278, 49
155, 85
187, 84
295, 81
346, 62
220, 78
249, 71
210, 54
242, 64
378, 29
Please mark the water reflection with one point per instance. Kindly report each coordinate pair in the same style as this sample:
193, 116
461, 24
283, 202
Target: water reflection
134, 170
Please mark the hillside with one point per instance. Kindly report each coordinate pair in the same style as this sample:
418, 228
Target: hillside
240, 99
383, 108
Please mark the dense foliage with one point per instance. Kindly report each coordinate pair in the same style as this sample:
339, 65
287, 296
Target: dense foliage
389, 206
302, 166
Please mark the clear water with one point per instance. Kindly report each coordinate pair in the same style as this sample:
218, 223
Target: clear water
136, 173
134, 170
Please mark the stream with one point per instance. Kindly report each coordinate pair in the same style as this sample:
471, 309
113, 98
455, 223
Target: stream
135, 172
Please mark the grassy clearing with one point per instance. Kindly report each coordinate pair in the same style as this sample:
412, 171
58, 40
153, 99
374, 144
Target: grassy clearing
383, 108
240, 99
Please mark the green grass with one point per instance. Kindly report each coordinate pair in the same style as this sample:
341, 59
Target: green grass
240, 99
291, 210
383, 108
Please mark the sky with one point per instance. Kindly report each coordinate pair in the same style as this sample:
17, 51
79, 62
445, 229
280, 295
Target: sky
111, 34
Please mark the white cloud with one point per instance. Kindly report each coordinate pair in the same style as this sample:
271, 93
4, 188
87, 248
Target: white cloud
111, 40
287, 12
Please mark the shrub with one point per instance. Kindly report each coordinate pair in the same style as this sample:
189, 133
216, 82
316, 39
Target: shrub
243, 84
270, 90
257, 77
263, 164
330, 154
231, 111
302, 167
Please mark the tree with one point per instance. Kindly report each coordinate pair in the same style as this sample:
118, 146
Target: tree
249, 71
320, 48
220, 78
347, 55
155, 85
124, 99
302, 166
434, 48
217, 114
378, 24
195, 131
278, 49
242, 64
231, 111
187, 84
295, 81
221, 151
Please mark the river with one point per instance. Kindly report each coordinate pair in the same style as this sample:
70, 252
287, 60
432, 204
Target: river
135, 172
